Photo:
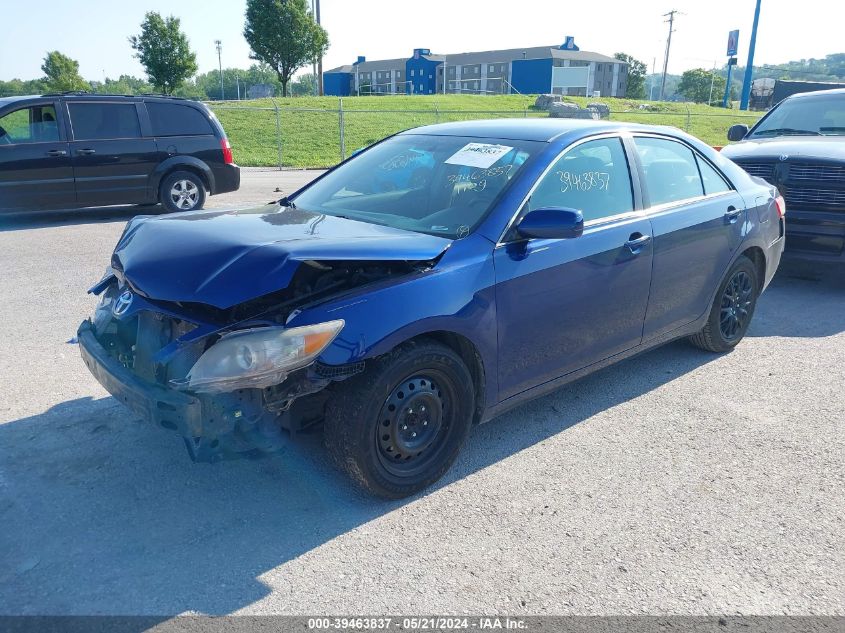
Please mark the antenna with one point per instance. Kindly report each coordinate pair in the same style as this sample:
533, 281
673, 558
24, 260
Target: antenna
671, 21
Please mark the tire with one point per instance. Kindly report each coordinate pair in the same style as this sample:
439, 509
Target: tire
182, 191
397, 428
733, 309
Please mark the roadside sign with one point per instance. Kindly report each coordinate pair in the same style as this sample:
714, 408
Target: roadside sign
733, 43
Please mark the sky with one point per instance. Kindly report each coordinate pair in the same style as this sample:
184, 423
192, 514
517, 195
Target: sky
95, 32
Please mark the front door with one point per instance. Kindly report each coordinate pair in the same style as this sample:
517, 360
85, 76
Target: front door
112, 160
35, 169
568, 303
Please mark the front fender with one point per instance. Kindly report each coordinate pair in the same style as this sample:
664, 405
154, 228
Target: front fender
456, 296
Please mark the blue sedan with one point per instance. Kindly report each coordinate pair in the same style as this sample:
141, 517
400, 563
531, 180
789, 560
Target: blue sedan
502, 260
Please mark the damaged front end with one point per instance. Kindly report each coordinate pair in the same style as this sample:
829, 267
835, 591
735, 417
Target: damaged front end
234, 381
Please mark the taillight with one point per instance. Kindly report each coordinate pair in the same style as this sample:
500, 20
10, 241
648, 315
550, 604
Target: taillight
780, 203
227, 151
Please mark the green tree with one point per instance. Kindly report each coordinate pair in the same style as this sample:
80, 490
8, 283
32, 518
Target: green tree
284, 35
636, 76
303, 86
695, 85
62, 73
164, 52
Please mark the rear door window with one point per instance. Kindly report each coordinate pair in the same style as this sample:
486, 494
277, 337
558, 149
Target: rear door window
713, 181
99, 121
670, 170
174, 119
36, 124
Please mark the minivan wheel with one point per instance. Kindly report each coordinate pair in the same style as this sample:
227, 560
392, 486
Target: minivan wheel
182, 191
398, 427
732, 309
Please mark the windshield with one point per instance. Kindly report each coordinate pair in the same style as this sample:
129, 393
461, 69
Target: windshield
440, 185
814, 116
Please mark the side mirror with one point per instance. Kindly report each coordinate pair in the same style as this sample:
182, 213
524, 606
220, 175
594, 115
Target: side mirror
551, 222
737, 132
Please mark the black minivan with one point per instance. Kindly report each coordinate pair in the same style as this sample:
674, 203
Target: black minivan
83, 150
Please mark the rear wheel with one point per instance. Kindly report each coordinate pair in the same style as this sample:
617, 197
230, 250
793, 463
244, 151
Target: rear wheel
182, 191
732, 309
398, 427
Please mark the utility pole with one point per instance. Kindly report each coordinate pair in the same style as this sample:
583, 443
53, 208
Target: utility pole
219, 46
671, 21
320, 59
314, 62
749, 67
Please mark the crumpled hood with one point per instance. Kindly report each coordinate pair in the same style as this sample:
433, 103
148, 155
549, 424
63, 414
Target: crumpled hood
223, 258
821, 147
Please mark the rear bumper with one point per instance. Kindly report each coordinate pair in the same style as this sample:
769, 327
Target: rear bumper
222, 437
226, 178
815, 235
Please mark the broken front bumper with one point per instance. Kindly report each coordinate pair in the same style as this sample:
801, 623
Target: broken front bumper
213, 429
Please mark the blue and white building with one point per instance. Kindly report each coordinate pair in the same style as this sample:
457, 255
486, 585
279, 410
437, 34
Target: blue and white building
563, 69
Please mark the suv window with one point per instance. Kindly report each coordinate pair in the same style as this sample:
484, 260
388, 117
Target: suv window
36, 124
97, 121
592, 177
173, 119
670, 170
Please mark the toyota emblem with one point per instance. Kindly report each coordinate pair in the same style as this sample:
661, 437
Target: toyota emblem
784, 157
122, 304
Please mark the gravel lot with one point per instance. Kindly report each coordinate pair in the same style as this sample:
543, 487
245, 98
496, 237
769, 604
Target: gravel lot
677, 482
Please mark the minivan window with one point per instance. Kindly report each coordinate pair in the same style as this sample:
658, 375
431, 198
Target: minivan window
98, 121
36, 124
670, 170
173, 119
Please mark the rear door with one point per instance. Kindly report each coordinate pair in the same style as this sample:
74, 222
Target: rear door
112, 160
35, 168
698, 221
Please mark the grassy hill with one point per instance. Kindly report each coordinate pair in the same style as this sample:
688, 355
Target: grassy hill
309, 127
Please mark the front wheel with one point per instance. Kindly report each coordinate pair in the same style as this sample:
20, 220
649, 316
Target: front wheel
398, 427
182, 191
732, 309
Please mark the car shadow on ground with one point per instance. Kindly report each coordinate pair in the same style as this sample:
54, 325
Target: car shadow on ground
17, 221
104, 514
803, 300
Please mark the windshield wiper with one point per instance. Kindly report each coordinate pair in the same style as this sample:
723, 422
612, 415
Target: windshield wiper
834, 130
777, 131
286, 202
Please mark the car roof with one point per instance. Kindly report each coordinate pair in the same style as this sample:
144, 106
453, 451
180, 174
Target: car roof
544, 129
817, 93
94, 96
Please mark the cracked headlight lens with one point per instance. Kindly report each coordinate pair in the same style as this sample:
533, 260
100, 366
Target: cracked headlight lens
257, 358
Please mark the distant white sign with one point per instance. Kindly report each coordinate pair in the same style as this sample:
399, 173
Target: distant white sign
481, 155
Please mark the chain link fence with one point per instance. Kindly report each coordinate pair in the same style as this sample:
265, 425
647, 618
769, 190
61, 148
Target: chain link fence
271, 135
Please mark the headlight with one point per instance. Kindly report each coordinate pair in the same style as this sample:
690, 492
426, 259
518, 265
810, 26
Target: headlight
257, 358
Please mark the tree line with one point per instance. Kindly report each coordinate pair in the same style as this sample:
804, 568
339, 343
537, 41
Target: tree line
282, 34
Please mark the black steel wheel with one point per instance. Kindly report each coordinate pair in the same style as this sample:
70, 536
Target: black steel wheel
398, 427
732, 308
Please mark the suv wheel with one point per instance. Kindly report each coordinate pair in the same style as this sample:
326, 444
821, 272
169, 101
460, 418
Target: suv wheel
398, 427
182, 191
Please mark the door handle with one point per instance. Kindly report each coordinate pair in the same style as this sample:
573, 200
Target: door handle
85, 152
636, 242
732, 214
57, 152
